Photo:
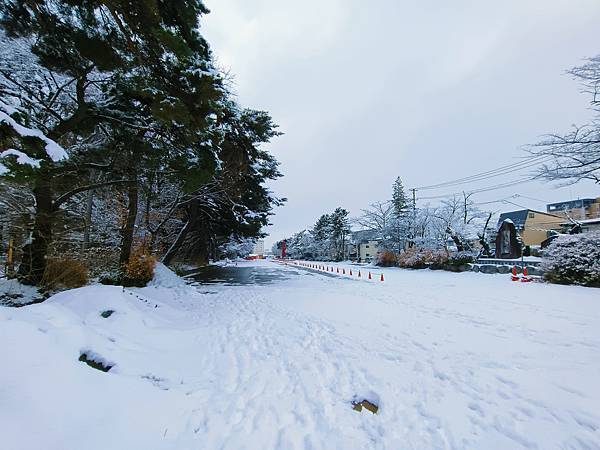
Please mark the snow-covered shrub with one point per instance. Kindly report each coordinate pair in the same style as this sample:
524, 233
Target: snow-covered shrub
139, 270
422, 258
574, 259
461, 258
387, 259
64, 273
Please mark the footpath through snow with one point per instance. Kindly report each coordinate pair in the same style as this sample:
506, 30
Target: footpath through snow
455, 361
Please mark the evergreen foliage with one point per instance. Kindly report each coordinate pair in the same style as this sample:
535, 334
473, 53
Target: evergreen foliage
120, 102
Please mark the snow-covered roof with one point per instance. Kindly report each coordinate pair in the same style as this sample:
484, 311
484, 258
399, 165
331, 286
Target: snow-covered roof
584, 221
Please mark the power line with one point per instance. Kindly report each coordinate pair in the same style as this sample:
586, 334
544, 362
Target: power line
490, 173
533, 198
476, 191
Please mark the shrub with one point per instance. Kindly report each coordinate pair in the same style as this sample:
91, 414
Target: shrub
64, 273
461, 258
387, 259
139, 270
574, 259
102, 262
421, 258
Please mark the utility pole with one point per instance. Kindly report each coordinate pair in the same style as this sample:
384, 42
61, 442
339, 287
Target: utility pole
413, 232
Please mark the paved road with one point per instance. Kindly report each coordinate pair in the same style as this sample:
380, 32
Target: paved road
242, 275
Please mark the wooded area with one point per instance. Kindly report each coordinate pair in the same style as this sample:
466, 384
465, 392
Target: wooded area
120, 136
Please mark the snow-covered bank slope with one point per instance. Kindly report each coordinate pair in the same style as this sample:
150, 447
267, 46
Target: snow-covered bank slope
454, 361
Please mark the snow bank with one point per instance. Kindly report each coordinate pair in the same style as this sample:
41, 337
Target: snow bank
165, 277
14, 293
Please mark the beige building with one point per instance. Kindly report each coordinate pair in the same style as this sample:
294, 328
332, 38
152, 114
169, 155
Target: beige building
534, 226
367, 250
580, 209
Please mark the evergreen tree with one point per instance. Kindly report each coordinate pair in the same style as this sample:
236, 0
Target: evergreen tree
399, 199
123, 69
339, 229
321, 233
400, 224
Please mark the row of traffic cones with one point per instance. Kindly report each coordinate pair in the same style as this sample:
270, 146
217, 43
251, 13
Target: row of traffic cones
524, 279
337, 270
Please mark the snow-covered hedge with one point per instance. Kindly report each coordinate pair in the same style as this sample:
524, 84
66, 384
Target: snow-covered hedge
422, 258
574, 259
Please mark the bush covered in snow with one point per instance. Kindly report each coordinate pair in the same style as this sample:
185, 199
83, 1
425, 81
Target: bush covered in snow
461, 258
387, 259
422, 258
574, 259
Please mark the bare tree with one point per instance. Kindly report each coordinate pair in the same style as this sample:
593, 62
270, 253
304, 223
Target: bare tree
378, 218
575, 156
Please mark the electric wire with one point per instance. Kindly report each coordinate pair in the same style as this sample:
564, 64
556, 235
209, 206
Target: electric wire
488, 174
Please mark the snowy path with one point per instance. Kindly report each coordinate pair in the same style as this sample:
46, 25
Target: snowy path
455, 361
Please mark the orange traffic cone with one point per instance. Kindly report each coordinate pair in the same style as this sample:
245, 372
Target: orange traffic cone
514, 276
370, 276
381, 277
525, 278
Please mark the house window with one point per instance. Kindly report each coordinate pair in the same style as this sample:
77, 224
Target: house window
531, 215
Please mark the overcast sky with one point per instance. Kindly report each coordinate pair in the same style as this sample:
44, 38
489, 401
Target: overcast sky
427, 90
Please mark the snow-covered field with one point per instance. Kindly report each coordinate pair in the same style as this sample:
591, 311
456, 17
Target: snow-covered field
463, 361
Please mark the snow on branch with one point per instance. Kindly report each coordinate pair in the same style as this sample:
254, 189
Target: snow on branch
54, 151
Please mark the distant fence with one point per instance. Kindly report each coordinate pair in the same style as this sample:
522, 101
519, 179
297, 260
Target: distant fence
507, 262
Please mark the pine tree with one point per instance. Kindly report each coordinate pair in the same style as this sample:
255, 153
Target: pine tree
400, 223
123, 69
399, 199
339, 229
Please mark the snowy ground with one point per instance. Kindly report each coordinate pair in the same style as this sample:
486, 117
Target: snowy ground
463, 361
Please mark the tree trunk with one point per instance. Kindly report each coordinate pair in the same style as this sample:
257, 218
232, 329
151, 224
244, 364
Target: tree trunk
128, 229
192, 219
176, 246
33, 264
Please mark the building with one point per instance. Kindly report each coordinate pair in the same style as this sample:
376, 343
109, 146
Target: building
581, 209
587, 225
533, 226
259, 247
367, 250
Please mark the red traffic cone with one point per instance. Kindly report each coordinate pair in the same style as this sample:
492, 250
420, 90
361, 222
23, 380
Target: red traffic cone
343, 271
514, 276
525, 278
381, 277
350, 272
359, 274
370, 276
337, 270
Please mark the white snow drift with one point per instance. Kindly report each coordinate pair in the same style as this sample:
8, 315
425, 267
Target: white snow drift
461, 361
